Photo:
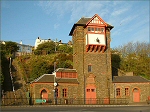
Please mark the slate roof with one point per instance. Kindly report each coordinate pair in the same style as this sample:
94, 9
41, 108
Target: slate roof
129, 79
82, 22
49, 78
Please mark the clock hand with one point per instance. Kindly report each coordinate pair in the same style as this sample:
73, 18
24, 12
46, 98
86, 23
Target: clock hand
97, 40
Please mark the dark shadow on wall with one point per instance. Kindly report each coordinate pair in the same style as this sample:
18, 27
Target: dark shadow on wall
115, 60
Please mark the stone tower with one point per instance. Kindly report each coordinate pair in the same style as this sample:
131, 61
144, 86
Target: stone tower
92, 57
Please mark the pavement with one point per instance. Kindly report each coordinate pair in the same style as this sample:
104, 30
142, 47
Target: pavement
131, 104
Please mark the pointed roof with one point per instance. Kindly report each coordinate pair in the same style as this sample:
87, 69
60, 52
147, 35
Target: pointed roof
84, 21
97, 16
129, 79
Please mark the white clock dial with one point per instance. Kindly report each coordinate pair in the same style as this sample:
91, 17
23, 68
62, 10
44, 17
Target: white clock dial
95, 39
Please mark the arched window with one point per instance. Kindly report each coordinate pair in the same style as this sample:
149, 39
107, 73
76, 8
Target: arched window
135, 90
44, 94
43, 91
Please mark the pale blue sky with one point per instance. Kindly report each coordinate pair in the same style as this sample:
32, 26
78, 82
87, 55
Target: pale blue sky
27, 20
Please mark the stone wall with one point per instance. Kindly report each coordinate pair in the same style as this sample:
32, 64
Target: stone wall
144, 89
101, 64
36, 89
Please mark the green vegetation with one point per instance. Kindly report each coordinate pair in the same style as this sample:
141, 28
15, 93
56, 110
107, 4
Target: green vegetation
65, 49
51, 47
64, 60
10, 48
6, 51
36, 65
45, 48
130, 57
133, 57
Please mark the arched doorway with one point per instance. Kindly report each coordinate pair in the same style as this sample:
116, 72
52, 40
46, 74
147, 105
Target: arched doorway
90, 95
136, 95
44, 95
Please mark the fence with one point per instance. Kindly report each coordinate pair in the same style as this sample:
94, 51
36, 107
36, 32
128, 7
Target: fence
62, 101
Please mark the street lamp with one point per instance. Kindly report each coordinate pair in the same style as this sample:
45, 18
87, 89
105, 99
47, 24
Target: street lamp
55, 84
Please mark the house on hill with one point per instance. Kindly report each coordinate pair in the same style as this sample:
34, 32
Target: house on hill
39, 41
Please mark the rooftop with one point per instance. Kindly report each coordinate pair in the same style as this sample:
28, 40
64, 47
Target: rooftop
129, 79
65, 70
49, 78
83, 21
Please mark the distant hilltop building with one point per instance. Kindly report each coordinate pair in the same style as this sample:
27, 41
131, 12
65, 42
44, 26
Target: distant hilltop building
39, 41
23, 48
2, 42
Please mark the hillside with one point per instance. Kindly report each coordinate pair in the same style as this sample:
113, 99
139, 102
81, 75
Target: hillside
33, 66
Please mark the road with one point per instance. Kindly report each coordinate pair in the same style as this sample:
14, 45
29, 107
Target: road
76, 109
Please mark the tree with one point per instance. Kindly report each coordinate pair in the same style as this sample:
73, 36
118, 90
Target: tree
39, 67
2, 51
11, 47
2, 62
45, 48
64, 60
134, 57
65, 49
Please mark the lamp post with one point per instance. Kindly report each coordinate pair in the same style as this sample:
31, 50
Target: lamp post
55, 84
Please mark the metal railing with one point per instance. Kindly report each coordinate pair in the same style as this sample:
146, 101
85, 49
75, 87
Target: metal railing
62, 101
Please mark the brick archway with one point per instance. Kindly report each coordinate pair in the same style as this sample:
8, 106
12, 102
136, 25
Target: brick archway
44, 94
136, 95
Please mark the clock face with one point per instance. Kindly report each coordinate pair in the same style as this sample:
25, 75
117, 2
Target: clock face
95, 39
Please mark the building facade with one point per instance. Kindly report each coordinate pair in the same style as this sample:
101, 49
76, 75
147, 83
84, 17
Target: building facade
61, 85
94, 79
92, 56
24, 49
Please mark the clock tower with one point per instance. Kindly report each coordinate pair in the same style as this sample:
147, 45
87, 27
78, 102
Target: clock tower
92, 57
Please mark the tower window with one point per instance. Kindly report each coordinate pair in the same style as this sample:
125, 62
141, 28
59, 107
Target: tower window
97, 29
92, 29
102, 29
89, 68
89, 29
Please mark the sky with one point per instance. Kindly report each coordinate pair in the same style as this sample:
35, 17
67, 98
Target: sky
28, 20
